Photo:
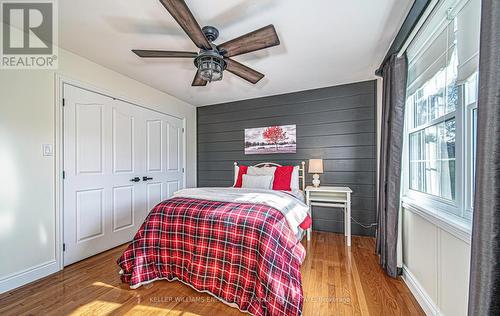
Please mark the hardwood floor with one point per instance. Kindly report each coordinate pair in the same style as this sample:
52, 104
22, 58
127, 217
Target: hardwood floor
336, 281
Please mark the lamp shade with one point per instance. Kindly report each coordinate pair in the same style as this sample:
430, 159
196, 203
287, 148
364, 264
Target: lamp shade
315, 165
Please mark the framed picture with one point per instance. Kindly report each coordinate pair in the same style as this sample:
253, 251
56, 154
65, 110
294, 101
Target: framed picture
271, 140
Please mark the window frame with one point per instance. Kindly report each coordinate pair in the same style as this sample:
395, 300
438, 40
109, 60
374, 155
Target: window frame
430, 201
457, 213
469, 157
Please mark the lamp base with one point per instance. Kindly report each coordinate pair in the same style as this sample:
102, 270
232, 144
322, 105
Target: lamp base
316, 181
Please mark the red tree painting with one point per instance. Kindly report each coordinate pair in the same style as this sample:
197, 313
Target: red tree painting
274, 135
271, 140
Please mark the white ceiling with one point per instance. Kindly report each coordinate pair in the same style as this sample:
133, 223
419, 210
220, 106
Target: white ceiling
323, 42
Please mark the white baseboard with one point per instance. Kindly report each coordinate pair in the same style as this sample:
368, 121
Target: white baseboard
28, 275
428, 305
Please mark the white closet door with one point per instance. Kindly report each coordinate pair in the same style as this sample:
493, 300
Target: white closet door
111, 150
164, 141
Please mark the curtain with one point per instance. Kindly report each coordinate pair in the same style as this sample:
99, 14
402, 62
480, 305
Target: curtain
394, 74
484, 290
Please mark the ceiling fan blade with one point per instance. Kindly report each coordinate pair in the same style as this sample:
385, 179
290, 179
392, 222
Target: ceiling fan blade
146, 53
256, 40
181, 13
243, 71
198, 81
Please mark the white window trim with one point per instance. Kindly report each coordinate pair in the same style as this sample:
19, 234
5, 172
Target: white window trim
435, 121
432, 201
440, 211
468, 157
448, 222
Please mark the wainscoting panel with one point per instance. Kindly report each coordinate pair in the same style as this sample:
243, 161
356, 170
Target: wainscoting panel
337, 124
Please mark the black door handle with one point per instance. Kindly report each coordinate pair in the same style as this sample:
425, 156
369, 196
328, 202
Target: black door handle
146, 178
136, 179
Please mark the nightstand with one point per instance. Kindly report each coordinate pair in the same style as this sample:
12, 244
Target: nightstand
334, 197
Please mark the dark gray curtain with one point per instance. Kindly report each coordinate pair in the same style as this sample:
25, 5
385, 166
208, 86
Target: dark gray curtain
394, 74
484, 291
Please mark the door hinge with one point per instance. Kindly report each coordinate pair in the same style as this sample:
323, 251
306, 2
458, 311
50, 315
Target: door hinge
183, 129
182, 170
63, 101
64, 247
64, 174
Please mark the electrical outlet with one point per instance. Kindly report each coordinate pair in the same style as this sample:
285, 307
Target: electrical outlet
47, 150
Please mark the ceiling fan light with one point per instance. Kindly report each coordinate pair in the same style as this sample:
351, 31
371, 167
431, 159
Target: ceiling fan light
210, 68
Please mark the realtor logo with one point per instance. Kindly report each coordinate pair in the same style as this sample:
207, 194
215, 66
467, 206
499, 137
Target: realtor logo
29, 34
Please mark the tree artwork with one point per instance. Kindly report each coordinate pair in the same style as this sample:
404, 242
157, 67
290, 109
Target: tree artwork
271, 140
274, 135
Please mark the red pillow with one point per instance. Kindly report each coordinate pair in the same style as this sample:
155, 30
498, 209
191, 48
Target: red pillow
306, 224
283, 178
242, 170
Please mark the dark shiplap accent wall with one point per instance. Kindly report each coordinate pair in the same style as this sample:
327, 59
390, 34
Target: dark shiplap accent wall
337, 124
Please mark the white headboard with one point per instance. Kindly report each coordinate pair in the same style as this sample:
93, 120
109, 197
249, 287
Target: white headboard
302, 171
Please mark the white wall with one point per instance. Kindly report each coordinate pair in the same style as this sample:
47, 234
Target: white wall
27, 179
436, 265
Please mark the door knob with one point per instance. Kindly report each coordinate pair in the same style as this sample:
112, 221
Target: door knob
136, 179
146, 178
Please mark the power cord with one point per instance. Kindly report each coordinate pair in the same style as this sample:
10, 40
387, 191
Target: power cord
364, 225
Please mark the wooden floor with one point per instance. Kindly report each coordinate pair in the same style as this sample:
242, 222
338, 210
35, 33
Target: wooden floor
336, 281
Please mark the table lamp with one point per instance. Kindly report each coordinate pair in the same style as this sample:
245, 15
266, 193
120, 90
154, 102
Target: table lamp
316, 167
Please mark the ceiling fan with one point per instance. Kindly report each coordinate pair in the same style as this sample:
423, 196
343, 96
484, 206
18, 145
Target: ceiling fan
213, 59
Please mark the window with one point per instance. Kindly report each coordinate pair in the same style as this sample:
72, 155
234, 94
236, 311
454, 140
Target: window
470, 97
441, 110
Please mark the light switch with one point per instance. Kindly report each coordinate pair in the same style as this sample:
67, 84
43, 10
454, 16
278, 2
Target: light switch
47, 150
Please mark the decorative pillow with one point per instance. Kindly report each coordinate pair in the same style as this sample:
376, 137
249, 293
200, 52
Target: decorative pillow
282, 178
261, 171
295, 183
306, 224
257, 182
242, 170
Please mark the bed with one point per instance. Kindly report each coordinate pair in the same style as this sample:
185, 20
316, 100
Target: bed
241, 245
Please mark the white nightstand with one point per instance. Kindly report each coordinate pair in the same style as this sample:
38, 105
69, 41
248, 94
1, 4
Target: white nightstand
336, 197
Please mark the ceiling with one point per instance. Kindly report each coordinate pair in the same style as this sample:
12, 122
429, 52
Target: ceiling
323, 42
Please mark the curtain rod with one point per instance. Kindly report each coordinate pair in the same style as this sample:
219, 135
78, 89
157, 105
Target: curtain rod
412, 20
417, 27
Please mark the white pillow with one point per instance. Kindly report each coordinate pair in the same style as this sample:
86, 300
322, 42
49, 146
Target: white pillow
257, 182
295, 182
261, 171
254, 171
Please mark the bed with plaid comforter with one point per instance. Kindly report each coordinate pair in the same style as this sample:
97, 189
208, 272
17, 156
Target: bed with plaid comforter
245, 254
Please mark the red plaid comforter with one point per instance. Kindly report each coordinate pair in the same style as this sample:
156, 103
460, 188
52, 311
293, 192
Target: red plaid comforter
244, 254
